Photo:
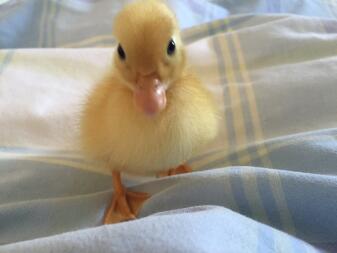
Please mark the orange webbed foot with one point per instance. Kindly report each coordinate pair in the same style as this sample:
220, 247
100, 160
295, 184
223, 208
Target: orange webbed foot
174, 171
125, 205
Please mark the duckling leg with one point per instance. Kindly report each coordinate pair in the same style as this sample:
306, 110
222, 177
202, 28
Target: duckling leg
174, 171
125, 204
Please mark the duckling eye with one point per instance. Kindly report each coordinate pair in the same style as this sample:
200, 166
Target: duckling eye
121, 52
171, 47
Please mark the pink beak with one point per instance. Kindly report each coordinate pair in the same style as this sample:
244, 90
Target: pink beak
150, 95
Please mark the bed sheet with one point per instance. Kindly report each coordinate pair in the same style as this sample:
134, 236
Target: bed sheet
81, 23
272, 168
87, 23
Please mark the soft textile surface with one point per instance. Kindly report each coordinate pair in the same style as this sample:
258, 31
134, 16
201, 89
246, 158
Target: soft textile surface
198, 229
81, 23
87, 23
274, 80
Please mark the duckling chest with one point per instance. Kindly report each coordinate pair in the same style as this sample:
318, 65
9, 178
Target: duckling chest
155, 143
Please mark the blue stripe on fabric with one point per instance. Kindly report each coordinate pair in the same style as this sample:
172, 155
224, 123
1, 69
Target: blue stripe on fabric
239, 195
223, 80
243, 94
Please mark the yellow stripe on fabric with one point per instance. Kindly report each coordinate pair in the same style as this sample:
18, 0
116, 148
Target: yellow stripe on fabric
281, 202
252, 192
262, 150
275, 180
236, 107
250, 183
238, 121
224, 119
89, 41
3, 53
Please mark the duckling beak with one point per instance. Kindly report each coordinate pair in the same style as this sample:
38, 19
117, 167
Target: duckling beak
150, 95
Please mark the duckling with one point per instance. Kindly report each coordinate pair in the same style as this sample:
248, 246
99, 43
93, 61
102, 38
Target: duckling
150, 113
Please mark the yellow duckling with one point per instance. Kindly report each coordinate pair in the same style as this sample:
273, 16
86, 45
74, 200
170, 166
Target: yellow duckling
150, 113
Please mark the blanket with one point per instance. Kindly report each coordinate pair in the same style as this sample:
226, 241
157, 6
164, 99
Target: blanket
266, 184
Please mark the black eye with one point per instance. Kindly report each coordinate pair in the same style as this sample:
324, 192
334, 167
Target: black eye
171, 47
121, 52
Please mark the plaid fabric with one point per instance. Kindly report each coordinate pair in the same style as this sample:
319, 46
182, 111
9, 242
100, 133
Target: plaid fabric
273, 162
